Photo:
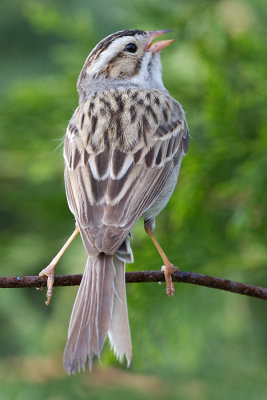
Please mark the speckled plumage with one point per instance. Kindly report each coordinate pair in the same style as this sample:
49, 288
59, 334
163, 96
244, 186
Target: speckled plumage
123, 149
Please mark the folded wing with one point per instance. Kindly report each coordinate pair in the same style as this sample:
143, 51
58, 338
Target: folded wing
120, 150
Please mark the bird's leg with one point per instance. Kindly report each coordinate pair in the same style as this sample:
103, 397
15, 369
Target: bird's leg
49, 271
168, 267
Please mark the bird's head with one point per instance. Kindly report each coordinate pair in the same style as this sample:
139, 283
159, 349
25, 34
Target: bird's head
126, 57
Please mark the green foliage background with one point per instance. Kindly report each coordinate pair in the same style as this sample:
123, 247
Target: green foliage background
202, 344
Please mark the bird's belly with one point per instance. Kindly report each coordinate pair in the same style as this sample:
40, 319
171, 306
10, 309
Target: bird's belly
164, 196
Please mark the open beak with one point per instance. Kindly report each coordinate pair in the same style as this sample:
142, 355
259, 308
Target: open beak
157, 46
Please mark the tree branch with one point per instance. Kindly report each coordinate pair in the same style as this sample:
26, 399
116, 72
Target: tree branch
142, 276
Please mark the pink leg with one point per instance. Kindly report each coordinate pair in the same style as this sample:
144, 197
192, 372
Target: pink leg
49, 271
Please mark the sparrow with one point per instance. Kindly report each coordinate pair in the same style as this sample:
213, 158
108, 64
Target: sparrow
123, 150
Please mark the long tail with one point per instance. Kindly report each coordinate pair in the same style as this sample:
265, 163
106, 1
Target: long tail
100, 308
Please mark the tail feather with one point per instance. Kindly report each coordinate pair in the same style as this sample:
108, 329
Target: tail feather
119, 332
95, 314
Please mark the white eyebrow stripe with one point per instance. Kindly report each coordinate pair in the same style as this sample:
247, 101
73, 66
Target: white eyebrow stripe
108, 54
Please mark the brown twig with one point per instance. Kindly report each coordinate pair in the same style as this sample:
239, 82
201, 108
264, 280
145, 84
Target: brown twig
142, 276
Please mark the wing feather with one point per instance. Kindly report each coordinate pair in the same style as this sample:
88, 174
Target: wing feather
118, 163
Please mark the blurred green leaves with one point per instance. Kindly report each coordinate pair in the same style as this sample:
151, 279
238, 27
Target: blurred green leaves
207, 344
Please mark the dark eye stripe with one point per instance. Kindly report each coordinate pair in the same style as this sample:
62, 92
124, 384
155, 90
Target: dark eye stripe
105, 43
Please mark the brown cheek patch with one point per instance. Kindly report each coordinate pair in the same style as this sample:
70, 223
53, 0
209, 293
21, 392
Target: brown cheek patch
122, 66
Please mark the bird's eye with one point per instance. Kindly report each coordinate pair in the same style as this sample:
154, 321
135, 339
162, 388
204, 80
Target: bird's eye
131, 48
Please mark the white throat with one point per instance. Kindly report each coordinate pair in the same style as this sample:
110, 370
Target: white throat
149, 75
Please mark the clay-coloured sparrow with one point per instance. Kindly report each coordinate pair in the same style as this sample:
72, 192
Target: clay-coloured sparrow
123, 149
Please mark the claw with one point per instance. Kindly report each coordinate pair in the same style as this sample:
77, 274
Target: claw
50, 274
168, 271
49, 271
168, 268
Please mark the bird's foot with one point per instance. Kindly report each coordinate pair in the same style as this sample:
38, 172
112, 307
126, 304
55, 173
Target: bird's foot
168, 270
49, 272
